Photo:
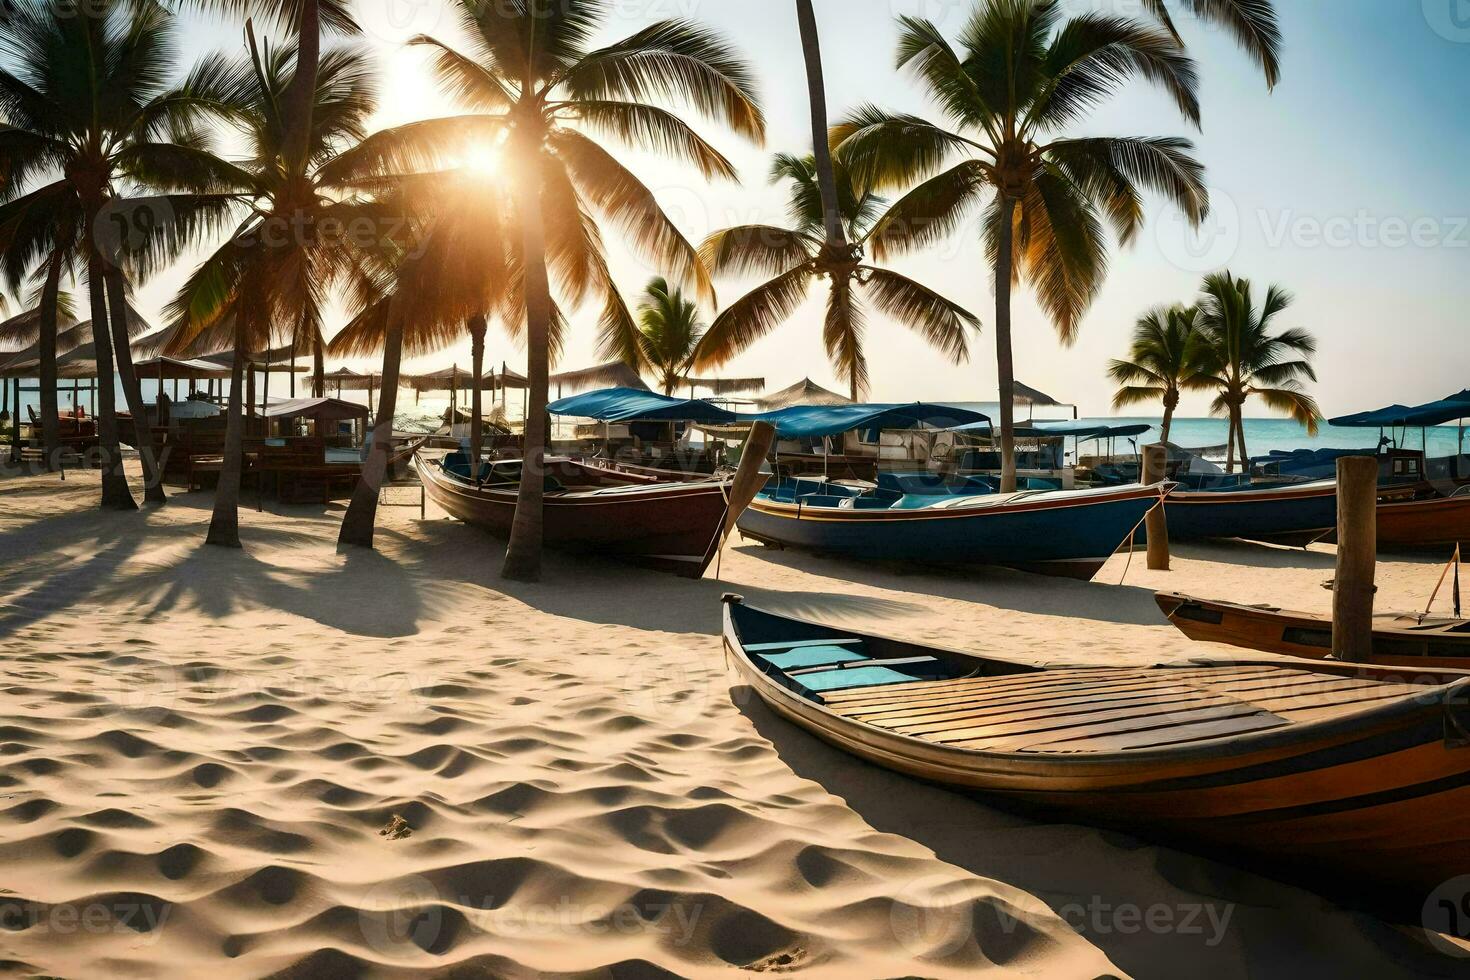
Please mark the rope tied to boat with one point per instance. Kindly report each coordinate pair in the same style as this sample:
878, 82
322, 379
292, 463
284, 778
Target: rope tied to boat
1454, 563
1133, 534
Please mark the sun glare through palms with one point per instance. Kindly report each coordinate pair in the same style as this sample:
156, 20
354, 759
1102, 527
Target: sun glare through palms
481, 159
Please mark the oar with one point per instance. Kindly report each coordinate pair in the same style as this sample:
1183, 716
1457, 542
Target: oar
748, 481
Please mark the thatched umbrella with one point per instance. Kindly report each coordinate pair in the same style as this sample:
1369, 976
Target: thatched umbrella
804, 392
613, 375
1031, 398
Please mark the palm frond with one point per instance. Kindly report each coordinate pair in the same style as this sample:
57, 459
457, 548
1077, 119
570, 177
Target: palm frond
673, 61
757, 249
945, 325
751, 317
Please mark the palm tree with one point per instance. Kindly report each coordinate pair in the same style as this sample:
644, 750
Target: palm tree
272, 275
670, 330
456, 267
1244, 358
799, 256
1021, 74
533, 82
1252, 23
1168, 355
87, 114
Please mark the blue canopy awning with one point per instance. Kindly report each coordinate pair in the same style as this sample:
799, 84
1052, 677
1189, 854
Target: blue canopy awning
1434, 413
632, 405
811, 421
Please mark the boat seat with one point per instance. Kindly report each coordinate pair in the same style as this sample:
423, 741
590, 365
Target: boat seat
822, 500
806, 658
842, 678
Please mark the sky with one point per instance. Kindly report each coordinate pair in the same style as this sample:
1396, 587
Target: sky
1346, 185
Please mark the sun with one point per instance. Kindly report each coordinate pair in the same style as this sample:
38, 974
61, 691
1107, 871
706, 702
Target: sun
482, 159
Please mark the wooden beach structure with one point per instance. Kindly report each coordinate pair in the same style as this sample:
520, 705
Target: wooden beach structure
1350, 778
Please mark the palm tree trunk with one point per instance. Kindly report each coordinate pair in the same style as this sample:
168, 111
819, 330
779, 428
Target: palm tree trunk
300, 95
811, 49
1004, 362
115, 492
477, 327
46, 349
318, 368
1230, 444
224, 523
1245, 459
523, 555
117, 303
362, 514
1171, 402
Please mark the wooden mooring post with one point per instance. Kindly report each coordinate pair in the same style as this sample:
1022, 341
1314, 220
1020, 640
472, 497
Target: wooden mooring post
1155, 469
1357, 558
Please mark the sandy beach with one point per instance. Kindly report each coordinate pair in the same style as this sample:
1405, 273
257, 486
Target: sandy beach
298, 763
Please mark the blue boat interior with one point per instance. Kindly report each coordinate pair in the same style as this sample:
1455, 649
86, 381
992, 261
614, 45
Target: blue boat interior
812, 668
894, 491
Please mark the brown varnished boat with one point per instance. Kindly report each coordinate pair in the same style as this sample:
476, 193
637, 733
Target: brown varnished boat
1353, 779
1399, 639
673, 526
1424, 519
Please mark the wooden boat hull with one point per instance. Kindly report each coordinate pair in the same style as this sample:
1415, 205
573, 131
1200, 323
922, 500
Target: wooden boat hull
1398, 641
1296, 515
1349, 778
1430, 523
1070, 534
674, 527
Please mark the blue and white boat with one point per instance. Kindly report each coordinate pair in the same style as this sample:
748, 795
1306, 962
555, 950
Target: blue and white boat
917, 517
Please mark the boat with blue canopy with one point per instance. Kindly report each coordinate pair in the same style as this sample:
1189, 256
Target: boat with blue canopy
931, 517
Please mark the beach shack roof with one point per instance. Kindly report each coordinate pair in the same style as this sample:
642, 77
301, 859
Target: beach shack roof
1433, 413
615, 374
633, 405
317, 409
344, 380
179, 369
277, 360
726, 386
811, 421
452, 378
804, 392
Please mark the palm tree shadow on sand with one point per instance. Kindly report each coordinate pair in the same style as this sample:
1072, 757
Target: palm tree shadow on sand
1094, 879
606, 591
1002, 588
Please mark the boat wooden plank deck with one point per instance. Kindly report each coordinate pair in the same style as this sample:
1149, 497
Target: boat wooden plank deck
1108, 710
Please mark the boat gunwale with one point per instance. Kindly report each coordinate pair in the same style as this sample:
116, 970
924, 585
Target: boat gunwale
1219, 754
798, 511
433, 471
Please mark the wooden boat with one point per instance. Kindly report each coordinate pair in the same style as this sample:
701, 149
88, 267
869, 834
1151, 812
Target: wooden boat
1340, 775
674, 526
1297, 514
1067, 533
1421, 517
1399, 639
